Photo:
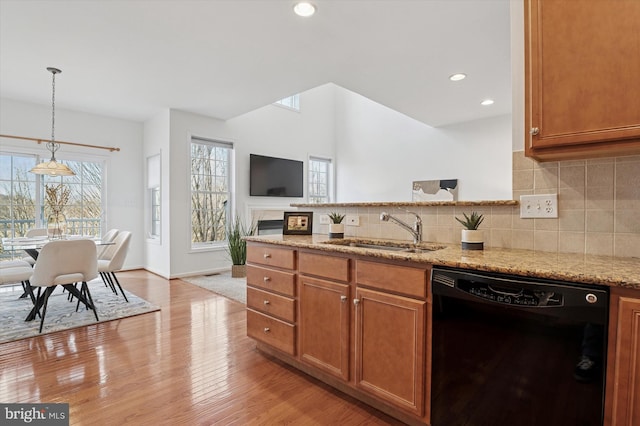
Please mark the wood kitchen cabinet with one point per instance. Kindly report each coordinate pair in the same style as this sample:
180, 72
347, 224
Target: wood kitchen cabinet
325, 313
582, 62
623, 371
390, 333
271, 283
361, 326
390, 348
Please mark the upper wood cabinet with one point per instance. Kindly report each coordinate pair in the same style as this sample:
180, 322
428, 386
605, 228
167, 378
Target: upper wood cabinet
582, 84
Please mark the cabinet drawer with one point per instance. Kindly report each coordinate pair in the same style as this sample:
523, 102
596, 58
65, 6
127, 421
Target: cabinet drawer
272, 280
271, 331
398, 279
322, 265
271, 256
272, 304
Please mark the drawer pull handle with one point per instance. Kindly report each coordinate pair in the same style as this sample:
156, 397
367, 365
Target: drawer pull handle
267, 255
266, 302
343, 299
356, 302
266, 279
266, 329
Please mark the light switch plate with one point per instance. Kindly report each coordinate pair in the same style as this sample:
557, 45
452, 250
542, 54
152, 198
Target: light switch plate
324, 219
543, 206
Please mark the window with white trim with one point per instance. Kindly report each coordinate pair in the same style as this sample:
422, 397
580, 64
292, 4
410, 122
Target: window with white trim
320, 180
291, 102
84, 209
210, 191
153, 186
19, 199
22, 199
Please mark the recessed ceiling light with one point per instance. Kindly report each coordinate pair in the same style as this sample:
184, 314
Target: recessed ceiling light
304, 8
487, 102
457, 77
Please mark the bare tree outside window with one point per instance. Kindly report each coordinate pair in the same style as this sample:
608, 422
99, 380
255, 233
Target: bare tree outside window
17, 195
319, 180
22, 202
84, 209
210, 190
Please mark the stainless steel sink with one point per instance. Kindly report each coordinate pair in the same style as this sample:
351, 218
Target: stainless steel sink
386, 245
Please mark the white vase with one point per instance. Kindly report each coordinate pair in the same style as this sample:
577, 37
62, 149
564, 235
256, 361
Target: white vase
472, 239
336, 230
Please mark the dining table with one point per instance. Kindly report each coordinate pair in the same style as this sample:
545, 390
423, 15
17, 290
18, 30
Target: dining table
33, 245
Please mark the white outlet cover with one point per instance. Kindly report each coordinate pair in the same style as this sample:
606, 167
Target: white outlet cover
539, 206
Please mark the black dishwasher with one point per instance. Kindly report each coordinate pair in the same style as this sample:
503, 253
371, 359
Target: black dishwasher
516, 351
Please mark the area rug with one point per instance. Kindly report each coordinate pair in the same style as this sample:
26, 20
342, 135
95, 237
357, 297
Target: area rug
61, 313
223, 284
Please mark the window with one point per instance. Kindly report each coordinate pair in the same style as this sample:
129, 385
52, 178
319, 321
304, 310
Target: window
154, 231
18, 202
84, 209
320, 185
291, 102
210, 190
22, 201
153, 186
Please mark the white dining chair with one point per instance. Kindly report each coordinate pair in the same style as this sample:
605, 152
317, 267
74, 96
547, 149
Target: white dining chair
34, 232
108, 266
13, 264
108, 237
20, 272
64, 263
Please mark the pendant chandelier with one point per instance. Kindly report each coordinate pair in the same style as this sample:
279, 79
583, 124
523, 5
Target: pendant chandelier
52, 167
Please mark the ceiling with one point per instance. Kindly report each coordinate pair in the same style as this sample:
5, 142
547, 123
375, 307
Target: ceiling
222, 58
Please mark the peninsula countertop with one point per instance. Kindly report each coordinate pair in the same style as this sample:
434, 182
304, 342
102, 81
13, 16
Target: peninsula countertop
573, 267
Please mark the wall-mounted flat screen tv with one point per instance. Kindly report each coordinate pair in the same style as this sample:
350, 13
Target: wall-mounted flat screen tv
275, 177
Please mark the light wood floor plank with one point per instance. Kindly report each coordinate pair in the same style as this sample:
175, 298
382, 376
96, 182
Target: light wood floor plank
189, 364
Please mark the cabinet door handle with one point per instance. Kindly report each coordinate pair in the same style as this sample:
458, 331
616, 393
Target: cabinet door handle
534, 131
266, 279
356, 301
266, 302
267, 329
267, 255
343, 299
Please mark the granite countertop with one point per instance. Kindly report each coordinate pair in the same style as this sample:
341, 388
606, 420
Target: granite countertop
589, 269
411, 203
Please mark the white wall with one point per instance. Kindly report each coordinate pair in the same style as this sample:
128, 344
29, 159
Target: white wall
270, 130
517, 73
377, 151
124, 171
381, 152
157, 253
280, 132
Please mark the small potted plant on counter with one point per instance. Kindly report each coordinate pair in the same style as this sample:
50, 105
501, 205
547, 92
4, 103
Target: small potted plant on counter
336, 227
472, 237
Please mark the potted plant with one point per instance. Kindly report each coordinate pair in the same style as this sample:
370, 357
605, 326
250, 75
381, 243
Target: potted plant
336, 227
472, 237
237, 246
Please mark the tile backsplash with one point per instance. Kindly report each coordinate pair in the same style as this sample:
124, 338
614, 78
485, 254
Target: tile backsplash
598, 211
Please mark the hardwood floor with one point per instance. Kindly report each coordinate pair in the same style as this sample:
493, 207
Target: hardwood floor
188, 364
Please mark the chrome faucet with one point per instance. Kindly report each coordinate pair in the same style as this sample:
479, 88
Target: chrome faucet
416, 229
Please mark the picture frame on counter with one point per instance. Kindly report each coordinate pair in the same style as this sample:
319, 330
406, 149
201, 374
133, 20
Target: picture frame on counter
297, 223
